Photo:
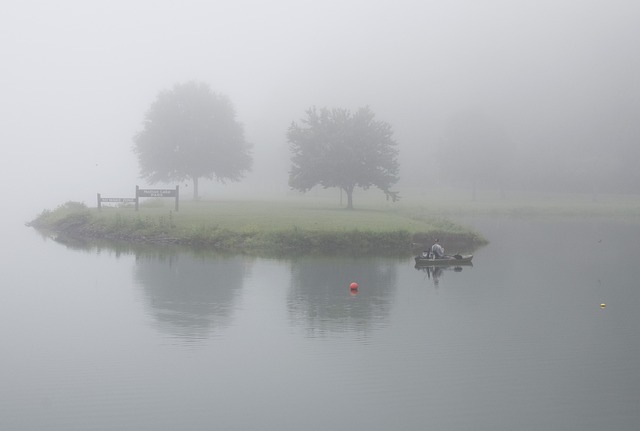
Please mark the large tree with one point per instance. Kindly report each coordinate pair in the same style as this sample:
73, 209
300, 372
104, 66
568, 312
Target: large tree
335, 148
190, 132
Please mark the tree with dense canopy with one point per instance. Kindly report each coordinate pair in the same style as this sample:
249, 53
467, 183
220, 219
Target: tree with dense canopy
335, 148
190, 132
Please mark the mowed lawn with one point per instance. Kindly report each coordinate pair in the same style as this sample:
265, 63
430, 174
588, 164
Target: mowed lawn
265, 216
295, 224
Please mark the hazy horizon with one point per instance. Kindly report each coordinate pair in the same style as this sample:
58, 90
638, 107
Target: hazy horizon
78, 78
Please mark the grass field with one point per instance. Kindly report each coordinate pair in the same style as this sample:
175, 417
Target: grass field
318, 223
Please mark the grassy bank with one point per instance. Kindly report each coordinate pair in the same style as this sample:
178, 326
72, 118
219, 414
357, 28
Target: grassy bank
317, 224
260, 227
455, 202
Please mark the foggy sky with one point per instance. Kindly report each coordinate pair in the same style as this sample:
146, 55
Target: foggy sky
78, 76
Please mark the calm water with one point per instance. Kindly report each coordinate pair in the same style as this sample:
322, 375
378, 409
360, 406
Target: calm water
102, 339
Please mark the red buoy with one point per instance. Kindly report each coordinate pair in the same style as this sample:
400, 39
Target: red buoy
354, 286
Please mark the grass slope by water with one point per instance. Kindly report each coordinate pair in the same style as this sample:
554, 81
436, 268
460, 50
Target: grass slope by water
318, 224
259, 227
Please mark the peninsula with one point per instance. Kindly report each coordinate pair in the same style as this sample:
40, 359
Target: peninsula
257, 227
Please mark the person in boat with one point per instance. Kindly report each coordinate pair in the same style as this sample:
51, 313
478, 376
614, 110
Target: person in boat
437, 250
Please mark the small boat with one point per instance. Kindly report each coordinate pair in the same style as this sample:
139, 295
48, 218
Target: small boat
457, 259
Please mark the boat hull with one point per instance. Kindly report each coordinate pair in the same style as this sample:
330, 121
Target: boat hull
464, 259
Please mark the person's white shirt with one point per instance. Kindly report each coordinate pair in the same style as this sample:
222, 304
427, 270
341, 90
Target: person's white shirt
437, 250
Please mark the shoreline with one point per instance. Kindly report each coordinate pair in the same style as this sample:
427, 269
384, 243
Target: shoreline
256, 228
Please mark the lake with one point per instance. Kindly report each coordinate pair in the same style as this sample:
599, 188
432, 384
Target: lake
171, 339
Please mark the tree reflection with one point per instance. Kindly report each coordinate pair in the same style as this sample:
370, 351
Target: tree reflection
190, 295
320, 298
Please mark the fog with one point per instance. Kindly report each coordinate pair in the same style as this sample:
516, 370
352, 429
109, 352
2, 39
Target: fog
77, 77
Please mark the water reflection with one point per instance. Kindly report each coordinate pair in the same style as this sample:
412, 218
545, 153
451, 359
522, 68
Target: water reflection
434, 273
189, 292
521, 332
320, 298
190, 295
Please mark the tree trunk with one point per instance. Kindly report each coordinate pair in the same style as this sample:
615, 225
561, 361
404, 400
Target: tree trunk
195, 188
349, 192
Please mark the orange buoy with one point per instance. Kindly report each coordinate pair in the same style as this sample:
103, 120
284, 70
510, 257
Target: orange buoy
353, 286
